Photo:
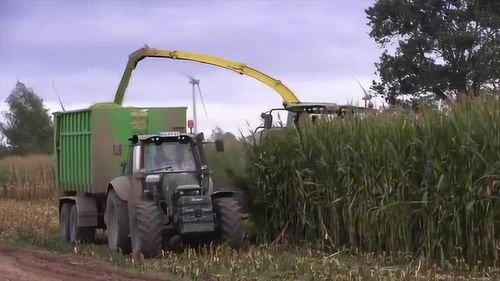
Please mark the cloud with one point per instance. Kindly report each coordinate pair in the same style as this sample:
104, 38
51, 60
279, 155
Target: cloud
313, 47
269, 35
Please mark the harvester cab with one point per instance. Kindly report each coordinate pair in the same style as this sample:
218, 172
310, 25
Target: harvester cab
309, 112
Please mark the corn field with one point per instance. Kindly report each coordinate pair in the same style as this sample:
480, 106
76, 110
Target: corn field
425, 184
27, 177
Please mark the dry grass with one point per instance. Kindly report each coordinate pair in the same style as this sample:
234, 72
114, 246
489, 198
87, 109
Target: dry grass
35, 223
27, 177
38, 217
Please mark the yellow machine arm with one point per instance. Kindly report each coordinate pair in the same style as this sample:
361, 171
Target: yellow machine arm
287, 95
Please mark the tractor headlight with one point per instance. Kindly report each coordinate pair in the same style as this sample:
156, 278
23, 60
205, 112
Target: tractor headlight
155, 178
151, 186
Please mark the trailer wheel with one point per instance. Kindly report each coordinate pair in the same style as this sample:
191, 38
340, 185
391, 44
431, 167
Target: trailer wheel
229, 220
64, 214
116, 220
79, 234
147, 233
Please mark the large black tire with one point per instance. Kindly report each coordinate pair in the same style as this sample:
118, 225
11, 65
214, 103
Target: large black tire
79, 234
229, 221
116, 220
147, 232
64, 214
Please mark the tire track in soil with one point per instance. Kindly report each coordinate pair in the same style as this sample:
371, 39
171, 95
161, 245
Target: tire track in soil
26, 265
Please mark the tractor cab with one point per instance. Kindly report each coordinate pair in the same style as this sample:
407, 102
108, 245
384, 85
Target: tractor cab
173, 153
174, 167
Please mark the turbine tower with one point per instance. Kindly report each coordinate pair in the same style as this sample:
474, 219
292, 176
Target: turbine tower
195, 83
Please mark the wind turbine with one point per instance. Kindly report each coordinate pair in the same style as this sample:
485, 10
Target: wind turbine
58, 97
196, 84
367, 97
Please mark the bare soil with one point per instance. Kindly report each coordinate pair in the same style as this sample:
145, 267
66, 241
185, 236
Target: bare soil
27, 265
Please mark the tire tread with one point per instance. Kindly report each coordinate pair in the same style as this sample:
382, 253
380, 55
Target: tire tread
230, 220
148, 229
121, 215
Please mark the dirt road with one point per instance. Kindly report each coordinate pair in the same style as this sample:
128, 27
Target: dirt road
27, 265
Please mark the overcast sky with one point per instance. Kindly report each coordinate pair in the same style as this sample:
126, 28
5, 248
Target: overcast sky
313, 47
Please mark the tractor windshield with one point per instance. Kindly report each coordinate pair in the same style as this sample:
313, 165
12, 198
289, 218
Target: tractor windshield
169, 156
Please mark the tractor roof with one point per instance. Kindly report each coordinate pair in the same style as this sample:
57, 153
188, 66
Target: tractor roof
162, 135
320, 107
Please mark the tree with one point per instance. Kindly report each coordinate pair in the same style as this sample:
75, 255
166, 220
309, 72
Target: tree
444, 48
4, 151
27, 126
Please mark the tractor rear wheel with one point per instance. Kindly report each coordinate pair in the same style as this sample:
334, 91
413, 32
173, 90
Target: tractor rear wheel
229, 220
64, 214
147, 229
116, 220
78, 234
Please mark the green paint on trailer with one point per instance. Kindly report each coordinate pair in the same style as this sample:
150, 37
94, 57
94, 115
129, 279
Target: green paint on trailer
91, 144
159, 119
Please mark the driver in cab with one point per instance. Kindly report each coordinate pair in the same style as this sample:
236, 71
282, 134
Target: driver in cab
178, 163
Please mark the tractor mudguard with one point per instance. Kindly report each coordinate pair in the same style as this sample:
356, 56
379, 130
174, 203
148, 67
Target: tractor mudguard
122, 186
222, 194
210, 186
238, 195
86, 207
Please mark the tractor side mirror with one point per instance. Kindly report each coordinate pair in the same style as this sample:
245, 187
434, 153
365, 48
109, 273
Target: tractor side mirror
141, 174
268, 120
219, 145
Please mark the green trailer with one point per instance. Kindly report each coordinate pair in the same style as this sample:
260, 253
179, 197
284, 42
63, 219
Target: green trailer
92, 144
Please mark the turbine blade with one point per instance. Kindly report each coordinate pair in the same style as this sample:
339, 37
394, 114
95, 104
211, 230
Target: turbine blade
58, 97
192, 80
362, 88
201, 97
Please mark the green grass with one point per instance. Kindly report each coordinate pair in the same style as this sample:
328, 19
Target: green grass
424, 184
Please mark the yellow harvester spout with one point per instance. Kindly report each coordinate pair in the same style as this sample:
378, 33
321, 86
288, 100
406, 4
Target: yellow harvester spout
287, 95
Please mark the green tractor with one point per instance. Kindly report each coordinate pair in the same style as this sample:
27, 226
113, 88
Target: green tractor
171, 197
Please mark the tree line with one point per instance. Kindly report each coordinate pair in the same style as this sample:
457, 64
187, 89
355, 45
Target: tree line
27, 126
436, 49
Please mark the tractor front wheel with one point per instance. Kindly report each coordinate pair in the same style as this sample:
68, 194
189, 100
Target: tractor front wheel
147, 229
229, 218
